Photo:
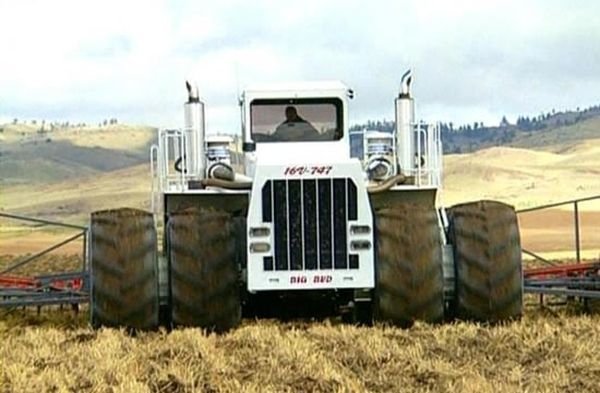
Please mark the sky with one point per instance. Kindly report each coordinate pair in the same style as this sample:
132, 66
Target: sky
85, 61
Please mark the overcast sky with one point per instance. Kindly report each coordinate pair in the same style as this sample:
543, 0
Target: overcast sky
472, 60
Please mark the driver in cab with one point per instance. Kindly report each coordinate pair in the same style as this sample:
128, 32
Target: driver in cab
295, 128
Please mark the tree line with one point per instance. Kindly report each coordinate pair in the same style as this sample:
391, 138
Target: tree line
51, 126
473, 136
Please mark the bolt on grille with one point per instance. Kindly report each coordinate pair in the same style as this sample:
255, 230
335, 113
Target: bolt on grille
310, 219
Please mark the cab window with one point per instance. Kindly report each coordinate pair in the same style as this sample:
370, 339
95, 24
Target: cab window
296, 120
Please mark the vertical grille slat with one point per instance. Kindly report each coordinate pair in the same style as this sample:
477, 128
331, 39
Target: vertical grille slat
352, 201
267, 205
295, 224
310, 220
340, 250
324, 223
310, 224
280, 224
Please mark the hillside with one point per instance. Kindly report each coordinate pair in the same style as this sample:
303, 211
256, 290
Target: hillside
81, 172
72, 200
554, 139
524, 177
28, 156
517, 176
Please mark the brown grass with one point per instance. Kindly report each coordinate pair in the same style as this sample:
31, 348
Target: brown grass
22, 241
52, 263
56, 351
543, 352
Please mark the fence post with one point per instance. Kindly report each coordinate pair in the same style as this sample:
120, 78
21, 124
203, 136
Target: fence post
577, 240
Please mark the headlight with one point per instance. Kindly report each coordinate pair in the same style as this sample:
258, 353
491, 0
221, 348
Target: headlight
260, 247
359, 245
360, 229
260, 232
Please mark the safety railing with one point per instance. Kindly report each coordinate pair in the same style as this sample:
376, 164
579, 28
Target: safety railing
428, 155
173, 156
169, 164
428, 165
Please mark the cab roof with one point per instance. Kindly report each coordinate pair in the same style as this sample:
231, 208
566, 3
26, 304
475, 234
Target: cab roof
291, 87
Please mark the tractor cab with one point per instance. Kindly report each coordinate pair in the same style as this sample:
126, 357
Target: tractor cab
288, 123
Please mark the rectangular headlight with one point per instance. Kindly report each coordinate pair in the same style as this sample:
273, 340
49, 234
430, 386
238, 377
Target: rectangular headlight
259, 232
260, 247
360, 229
359, 245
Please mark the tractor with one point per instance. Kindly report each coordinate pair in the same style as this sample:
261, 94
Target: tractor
284, 222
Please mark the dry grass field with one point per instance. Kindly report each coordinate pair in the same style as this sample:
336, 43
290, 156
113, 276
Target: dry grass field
544, 352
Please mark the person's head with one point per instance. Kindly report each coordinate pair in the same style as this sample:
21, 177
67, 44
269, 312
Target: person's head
291, 114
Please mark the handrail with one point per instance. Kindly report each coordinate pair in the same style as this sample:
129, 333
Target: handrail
154, 173
428, 149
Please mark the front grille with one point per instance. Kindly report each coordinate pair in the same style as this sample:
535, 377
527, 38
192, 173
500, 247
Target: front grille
310, 219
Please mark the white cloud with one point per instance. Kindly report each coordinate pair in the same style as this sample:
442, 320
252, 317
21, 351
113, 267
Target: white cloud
473, 60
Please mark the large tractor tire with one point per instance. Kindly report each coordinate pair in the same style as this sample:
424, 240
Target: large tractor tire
487, 259
124, 272
205, 289
410, 282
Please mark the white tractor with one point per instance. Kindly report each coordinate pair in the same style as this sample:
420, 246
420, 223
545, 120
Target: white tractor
293, 226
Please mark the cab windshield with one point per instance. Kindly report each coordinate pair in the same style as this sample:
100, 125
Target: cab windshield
296, 120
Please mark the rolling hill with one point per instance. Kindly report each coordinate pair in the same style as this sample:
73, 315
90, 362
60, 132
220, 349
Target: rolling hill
518, 176
28, 156
557, 138
524, 177
82, 171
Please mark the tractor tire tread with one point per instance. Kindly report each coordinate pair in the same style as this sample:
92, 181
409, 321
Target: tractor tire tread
487, 256
124, 269
410, 282
204, 273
